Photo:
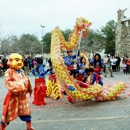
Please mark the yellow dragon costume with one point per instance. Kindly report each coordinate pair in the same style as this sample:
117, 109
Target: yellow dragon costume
58, 42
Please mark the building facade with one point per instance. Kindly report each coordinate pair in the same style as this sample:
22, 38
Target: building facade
122, 36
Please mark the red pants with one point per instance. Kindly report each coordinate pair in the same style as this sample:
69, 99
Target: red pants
124, 71
39, 91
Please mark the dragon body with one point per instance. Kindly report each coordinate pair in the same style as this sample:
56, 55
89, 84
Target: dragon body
96, 91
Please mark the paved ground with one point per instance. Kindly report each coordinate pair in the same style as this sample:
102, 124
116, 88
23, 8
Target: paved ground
83, 115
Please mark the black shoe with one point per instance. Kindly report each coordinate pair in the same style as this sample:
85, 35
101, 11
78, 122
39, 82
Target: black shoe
64, 93
105, 76
112, 76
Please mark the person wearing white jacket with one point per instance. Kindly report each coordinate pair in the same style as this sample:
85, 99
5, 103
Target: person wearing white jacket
108, 65
113, 62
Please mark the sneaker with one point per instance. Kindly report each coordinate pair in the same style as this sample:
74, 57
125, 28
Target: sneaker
112, 76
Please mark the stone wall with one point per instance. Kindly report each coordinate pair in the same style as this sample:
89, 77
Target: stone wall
122, 36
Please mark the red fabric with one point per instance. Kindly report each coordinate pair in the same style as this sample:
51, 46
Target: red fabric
96, 70
39, 92
2, 127
29, 125
6, 103
97, 76
124, 71
70, 67
70, 99
18, 86
52, 76
128, 62
80, 82
85, 34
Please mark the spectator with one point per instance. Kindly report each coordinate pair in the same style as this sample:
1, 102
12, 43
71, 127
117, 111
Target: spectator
125, 58
108, 66
34, 63
105, 59
30, 63
4, 61
113, 62
128, 65
1, 67
118, 63
26, 66
124, 67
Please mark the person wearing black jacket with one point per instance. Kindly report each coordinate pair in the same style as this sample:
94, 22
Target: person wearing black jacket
26, 66
118, 63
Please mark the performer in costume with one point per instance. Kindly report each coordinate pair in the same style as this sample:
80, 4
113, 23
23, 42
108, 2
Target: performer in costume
40, 84
53, 87
98, 67
69, 61
18, 85
81, 75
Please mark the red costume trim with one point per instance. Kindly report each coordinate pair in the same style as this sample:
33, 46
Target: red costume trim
81, 83
6, 103
52, 76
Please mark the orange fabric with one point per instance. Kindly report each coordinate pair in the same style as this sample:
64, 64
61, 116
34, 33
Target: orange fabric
16, 103
39, 92
128, 62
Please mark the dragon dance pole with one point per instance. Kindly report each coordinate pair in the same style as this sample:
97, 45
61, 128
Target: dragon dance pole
79, 41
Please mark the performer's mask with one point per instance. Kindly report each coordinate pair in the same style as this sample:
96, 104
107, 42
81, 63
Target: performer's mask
15, 61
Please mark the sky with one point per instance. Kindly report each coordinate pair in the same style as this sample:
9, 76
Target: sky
19, 17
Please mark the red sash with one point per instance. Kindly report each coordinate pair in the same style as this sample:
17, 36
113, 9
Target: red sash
96, 69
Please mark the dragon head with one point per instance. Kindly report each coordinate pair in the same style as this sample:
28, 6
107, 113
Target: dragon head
83, 24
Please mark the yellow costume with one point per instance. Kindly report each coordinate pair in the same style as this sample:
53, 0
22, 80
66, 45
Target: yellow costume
58, 42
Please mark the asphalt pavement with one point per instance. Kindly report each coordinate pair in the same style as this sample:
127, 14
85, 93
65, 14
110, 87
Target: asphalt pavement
82, 115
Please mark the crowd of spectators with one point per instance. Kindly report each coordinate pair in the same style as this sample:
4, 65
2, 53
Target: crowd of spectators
29, 63
116, 64
112, 64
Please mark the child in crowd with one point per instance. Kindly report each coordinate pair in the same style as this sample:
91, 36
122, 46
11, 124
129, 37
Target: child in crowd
82, 64
124, 67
